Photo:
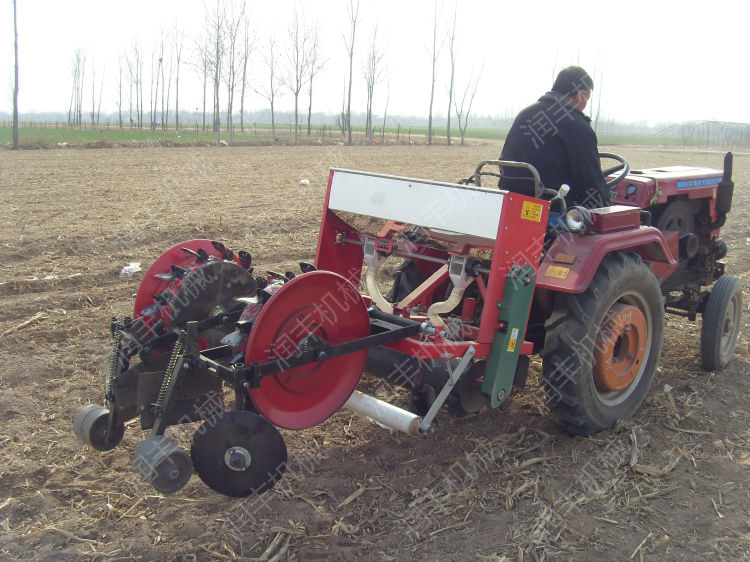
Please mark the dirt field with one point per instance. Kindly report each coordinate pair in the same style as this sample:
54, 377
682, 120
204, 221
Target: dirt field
672, 483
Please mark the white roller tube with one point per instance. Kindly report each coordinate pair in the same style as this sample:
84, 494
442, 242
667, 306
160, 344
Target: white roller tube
383, 413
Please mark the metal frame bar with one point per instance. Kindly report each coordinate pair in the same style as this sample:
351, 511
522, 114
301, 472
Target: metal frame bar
390, 328
205, 324
538, 185
455, 374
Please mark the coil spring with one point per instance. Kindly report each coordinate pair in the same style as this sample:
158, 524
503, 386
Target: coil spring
176, 351
114, 357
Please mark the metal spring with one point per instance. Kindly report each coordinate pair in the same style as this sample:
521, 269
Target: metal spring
176, 351
114, 357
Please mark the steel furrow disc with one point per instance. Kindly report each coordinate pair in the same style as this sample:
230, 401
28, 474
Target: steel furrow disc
205, 289
210, 289
238, 453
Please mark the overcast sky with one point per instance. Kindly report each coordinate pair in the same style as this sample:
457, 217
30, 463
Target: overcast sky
653, 61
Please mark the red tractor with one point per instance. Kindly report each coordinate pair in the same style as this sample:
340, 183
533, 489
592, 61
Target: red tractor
488, 278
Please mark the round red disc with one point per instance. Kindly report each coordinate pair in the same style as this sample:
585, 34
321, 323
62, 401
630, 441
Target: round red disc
329, 307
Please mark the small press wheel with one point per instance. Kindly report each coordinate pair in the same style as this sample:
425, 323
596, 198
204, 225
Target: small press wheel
238, 453
163, 464
91, 425
721, 323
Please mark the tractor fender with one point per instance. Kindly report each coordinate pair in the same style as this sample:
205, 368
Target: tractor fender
572, 260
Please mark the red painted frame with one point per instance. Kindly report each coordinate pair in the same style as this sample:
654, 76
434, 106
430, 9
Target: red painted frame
519, 241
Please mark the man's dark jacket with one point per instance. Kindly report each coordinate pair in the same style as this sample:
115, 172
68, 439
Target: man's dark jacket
557, 139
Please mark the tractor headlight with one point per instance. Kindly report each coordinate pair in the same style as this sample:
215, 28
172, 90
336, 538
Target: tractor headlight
577, 219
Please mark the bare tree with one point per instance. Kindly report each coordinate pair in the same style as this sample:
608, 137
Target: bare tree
165, 65
130, 103
156, 62
373, 71
353, 13
385, 112
160, 79
234, 22
135, 70
93, 92
316, 64
179, 37
341, 117
297, 64
140, 90
462, 112
247, 48
270, 91
15, 81
203, 55
78, 71
101, 89
96, 102
119, 92
451, 84
434, 55
215, 21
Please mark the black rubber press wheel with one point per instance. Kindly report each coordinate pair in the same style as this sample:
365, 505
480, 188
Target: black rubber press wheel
721, 323
91, 425
163, 464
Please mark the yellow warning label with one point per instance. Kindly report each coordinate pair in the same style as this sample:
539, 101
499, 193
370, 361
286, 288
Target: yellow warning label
557, 272
714, 195
531, 211
513, 339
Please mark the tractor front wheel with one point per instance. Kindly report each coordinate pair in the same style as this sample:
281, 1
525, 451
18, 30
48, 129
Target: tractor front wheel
602, 346
721, 323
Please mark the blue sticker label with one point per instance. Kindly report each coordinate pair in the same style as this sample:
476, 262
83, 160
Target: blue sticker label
702, 182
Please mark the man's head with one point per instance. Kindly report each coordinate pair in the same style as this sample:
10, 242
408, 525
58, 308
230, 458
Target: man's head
575, 83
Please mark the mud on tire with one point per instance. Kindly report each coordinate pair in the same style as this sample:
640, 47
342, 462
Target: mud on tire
602, 346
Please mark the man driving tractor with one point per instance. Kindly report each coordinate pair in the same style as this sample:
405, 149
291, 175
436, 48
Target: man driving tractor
555, 137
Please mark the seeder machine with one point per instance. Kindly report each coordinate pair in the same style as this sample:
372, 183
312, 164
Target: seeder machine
488, 278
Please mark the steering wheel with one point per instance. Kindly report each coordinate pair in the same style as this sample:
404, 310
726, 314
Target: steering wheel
623, 167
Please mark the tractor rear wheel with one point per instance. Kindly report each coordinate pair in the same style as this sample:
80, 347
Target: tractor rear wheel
602, 346
721, 323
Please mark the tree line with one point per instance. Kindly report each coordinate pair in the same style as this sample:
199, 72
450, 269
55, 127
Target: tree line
148, 85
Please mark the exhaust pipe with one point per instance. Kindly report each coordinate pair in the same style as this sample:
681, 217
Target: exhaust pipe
725, 189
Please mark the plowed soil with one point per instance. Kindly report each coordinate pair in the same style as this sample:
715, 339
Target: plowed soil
671, 483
